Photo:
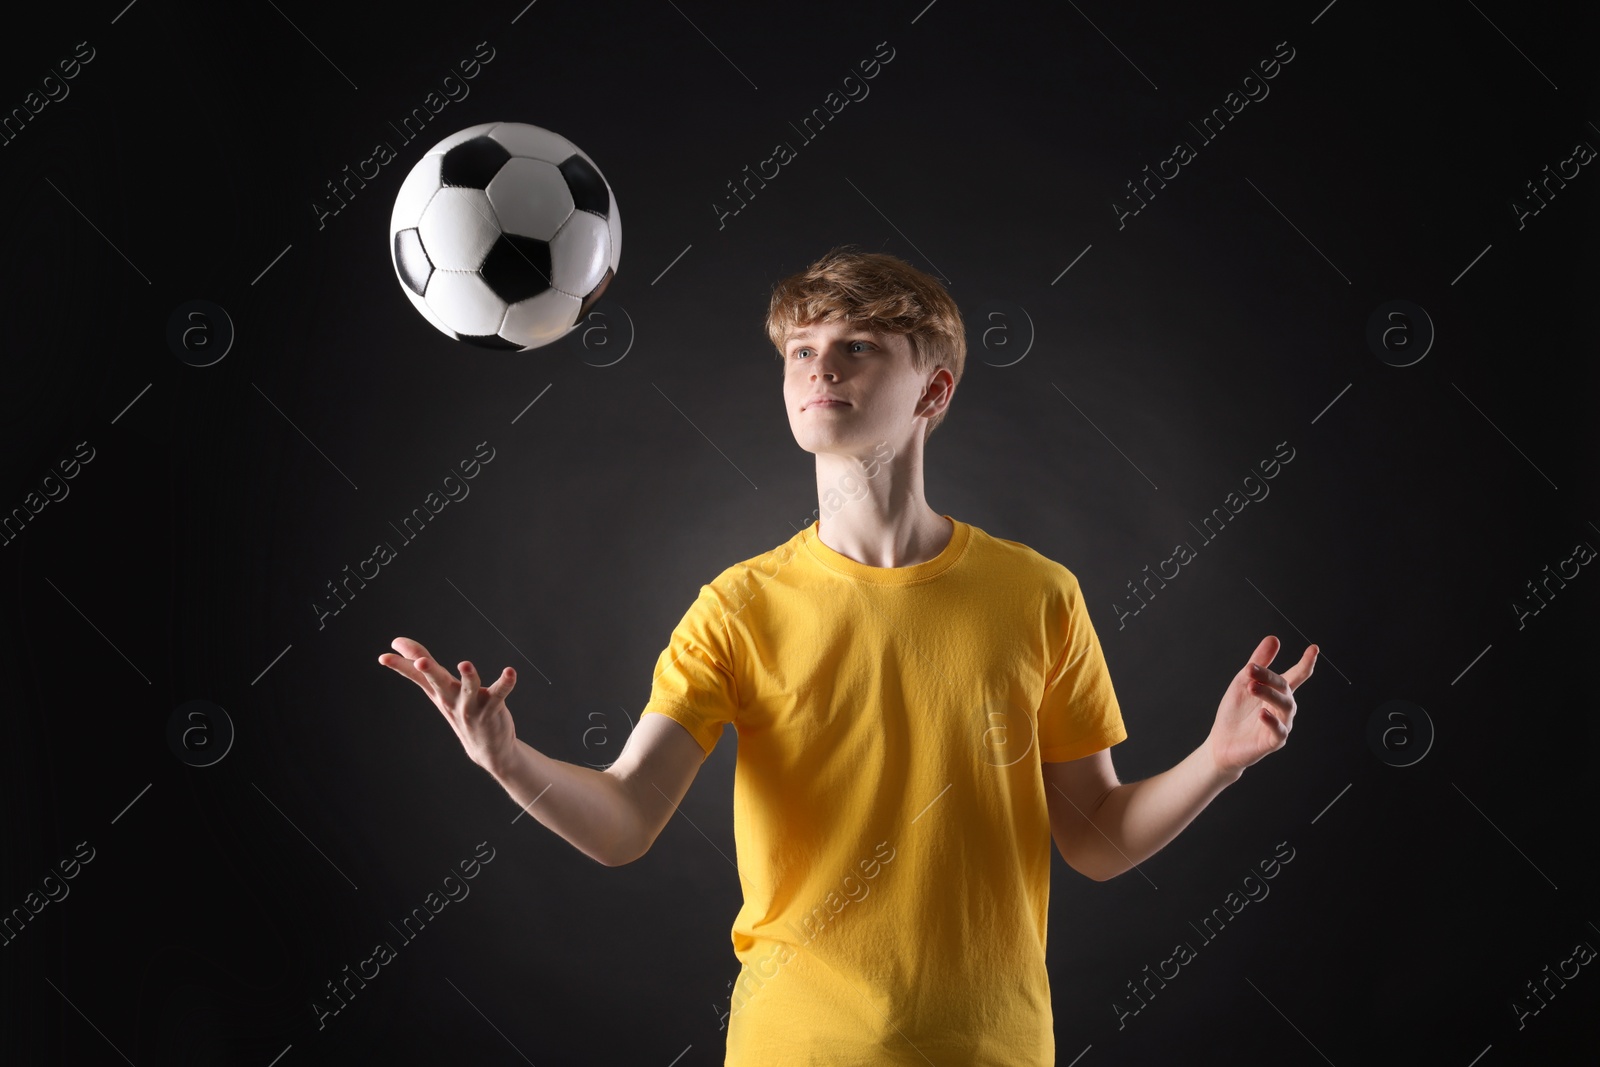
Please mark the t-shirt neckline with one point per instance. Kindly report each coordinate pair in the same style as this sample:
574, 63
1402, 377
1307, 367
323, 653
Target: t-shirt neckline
960, 535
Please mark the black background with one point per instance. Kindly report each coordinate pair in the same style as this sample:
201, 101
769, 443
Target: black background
1178, 351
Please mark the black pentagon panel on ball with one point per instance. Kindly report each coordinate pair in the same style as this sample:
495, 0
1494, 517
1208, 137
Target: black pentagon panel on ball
589, 192
594, 294
412, 260
517, 267
491, 340
473, 164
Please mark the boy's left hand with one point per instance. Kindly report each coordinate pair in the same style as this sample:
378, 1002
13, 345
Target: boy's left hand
1257, 711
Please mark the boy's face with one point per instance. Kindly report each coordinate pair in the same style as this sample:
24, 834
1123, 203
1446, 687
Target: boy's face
871, 371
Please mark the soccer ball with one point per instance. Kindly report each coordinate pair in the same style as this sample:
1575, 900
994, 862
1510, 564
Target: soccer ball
504, 234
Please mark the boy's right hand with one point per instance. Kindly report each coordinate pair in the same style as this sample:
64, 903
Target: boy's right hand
478, 715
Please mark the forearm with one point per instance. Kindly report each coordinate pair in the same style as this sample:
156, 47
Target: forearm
1135, 820
585, 806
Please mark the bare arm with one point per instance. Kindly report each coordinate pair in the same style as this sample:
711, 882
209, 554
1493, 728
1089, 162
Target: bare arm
585, 806
1104, 827
614, 815
611, 816
655, 770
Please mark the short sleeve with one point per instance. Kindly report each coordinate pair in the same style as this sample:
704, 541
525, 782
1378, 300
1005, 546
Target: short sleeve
694, 684
1079, 714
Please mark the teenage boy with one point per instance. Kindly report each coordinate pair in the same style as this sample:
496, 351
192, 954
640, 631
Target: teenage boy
921, 708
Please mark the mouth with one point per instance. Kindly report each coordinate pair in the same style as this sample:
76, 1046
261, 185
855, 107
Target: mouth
826, 404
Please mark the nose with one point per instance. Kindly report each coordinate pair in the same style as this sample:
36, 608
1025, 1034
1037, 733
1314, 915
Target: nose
818, 366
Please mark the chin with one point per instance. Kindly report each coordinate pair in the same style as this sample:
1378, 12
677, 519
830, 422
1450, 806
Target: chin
837, 439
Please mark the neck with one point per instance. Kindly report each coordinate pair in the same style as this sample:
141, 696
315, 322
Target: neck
872, 508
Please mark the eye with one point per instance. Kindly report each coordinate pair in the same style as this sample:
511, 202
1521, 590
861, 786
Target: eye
797, 351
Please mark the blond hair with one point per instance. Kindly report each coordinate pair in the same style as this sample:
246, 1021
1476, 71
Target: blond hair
877, 291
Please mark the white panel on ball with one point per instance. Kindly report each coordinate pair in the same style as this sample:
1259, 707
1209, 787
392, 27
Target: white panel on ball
614, 224
534, 142
531, 198
465, 303
580, 254
458, 228
541, 319
415, 192
427, 312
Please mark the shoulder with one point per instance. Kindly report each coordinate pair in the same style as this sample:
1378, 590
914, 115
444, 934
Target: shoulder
1018, 557
736, 585
767, 563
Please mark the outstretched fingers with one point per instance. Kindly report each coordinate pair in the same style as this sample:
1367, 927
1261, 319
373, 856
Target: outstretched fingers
503, 684
422, 669
469, 694
443, 681
1280, 727
405, 666
411, 650
1297, 674
1271, 694
475, 696
1276, 708
413, 661
1266, 651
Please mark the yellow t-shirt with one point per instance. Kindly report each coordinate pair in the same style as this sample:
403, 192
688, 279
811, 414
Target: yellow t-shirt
892, 835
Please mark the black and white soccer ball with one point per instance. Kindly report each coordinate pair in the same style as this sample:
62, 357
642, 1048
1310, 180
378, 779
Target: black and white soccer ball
504, 234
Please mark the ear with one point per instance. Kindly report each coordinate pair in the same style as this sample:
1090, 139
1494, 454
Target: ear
939, 391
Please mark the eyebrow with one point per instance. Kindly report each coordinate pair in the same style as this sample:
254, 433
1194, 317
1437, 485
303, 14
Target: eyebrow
854, 335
